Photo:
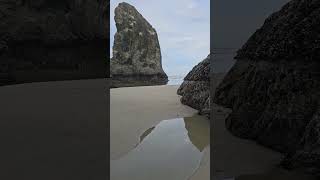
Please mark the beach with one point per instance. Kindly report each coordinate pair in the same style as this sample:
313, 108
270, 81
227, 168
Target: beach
55, 123
136, 109
57, 129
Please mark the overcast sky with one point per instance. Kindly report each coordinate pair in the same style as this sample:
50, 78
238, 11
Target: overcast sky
234, 21
183, 28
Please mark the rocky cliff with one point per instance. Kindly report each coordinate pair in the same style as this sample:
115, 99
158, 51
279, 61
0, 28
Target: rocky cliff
195, 89
53, 40
273, 89
136, 51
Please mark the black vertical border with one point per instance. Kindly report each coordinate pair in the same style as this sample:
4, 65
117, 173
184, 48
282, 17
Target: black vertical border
107, 124
211, 89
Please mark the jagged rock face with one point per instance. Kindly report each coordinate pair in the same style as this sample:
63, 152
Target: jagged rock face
273, 89
195, 90
291, 34
61, 39
136, 49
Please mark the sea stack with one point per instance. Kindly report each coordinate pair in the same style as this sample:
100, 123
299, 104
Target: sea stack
136, 51
274, 88
195, 89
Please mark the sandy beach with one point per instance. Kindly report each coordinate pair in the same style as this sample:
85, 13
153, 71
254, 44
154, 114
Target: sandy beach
135, 109
59, 123
48, 129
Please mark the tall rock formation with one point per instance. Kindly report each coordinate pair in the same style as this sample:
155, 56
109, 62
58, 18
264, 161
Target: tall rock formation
136, 51
273, 89
53, 40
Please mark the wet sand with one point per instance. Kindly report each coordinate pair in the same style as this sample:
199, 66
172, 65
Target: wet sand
136, 109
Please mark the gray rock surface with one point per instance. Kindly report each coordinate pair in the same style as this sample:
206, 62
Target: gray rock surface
136, 51
195, 89
273, 89
53, 40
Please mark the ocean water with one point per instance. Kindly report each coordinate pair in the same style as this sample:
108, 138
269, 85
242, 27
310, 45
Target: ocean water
222, 62
175, 79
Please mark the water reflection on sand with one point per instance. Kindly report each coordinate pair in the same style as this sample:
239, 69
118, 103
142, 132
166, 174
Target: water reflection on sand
171, 150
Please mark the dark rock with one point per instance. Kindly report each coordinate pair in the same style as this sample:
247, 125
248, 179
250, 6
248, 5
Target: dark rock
307, 156
136, 51
195, 90
291, 33
53, 40
273, 89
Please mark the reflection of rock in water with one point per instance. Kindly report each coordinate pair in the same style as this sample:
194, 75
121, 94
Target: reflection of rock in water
146, 133
198, 128
164, 152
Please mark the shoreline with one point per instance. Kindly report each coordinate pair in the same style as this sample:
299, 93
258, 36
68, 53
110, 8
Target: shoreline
146, 106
